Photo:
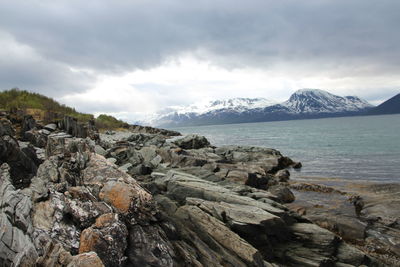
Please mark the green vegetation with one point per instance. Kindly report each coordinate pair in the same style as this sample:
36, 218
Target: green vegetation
28, 102
104, 121
47, 109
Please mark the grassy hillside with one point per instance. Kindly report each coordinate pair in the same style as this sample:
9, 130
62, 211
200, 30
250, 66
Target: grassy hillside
47, 109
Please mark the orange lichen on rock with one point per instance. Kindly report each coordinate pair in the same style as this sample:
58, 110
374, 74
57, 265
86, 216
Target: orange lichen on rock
122, 195
105, 220
88, 240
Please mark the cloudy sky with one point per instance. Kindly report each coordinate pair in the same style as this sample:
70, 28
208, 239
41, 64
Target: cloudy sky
132, 58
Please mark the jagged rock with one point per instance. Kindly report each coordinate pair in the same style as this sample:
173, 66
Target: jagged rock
28, 123
55, 256
253, 224
16, 246
220, 237
108, 238
36, 137
181, 186
22, 167
192, 142
76, 129
151, 130
148, 247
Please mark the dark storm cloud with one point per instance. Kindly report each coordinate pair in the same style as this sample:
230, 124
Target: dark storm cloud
340, 38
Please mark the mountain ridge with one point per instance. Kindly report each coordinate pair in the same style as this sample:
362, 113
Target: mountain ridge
302, 104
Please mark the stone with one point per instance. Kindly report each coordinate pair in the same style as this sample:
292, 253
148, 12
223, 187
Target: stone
282, 193
51, 127
28, 123
54, 255
99, 150
108, 238
77, 129
192, 142
16, 246
220, 234
22, 166
149, 247
124, 197
6, 127
282, 175
86, 259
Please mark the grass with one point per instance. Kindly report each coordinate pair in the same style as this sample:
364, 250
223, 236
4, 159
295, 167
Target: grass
46, 109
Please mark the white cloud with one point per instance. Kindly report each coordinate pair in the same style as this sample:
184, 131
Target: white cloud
186, 80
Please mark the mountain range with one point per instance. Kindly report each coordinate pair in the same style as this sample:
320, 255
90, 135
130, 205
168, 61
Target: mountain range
303, 104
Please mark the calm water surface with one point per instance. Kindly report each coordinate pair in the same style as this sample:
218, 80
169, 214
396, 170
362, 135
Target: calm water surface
358, 148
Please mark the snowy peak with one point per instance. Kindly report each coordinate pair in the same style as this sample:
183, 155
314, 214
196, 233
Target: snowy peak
319, 101
233, 104
240, 103
303, 104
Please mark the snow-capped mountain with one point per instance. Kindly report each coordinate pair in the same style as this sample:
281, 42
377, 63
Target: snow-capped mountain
319, 101
304, 103
234, 104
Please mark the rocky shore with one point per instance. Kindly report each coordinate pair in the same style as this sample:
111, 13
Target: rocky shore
70, 196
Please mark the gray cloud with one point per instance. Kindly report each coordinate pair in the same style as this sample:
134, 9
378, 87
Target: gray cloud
334, 38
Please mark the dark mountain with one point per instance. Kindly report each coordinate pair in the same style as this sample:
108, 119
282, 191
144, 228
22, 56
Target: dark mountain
391, 106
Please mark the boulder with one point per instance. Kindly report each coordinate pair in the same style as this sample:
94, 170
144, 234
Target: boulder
283, 194
51, 127
6, 127
192, 142
28, 123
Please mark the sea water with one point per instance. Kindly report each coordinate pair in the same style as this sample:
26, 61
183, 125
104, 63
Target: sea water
356, 148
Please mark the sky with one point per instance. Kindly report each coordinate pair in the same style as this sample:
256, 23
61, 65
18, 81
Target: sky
133, 58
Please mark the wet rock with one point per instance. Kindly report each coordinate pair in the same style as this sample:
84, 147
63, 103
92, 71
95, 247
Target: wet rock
282, 176
192, 142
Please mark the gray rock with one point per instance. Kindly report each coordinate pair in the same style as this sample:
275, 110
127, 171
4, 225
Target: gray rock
218, 235
6, 128
50, 127
16, 246
192, 142
112, 160
99, 150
